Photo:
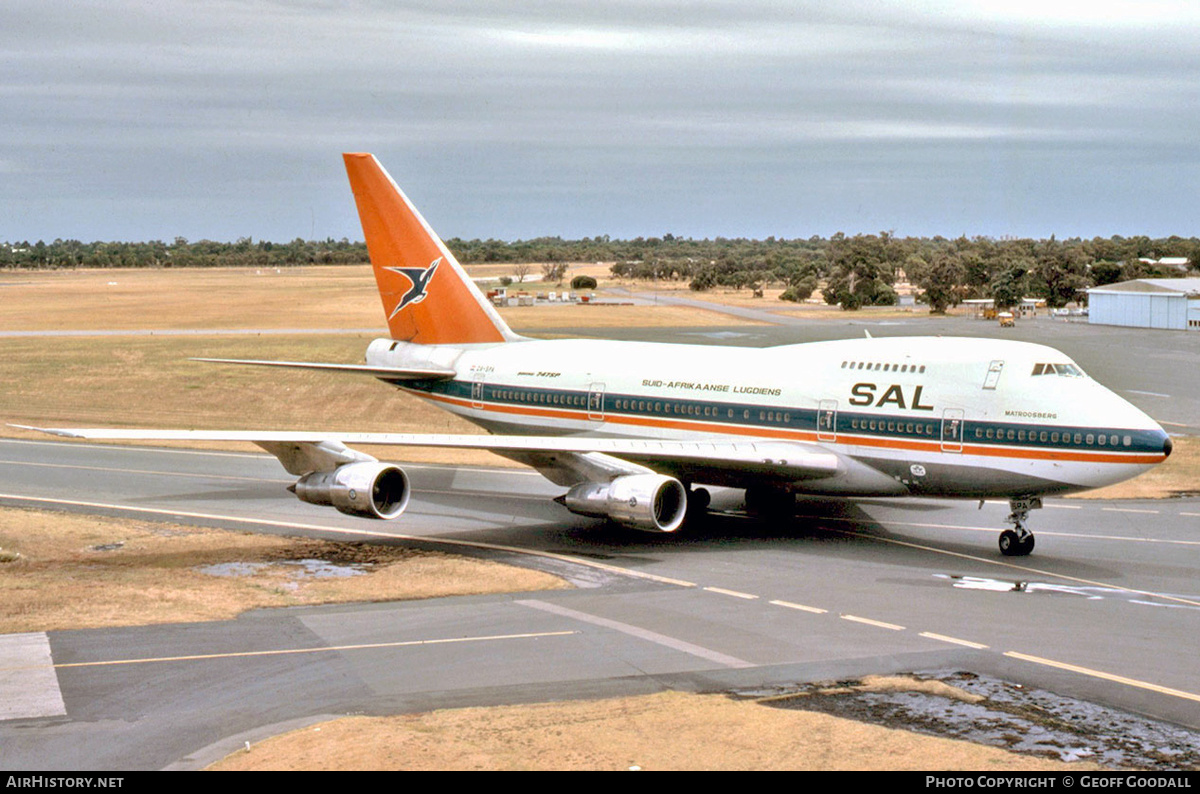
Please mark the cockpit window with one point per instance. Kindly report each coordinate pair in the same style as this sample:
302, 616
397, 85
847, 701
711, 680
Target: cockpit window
1062, 370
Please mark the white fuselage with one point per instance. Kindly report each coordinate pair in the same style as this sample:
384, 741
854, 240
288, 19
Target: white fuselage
937, 416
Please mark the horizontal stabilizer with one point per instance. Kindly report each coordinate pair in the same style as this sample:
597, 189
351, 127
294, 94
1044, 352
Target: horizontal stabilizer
383, 373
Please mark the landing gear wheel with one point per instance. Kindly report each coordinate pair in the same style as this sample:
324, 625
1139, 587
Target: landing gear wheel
698, 500
1013, 545
770, 502
1018, 541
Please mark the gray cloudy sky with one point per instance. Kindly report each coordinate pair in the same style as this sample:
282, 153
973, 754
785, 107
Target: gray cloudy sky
226, 118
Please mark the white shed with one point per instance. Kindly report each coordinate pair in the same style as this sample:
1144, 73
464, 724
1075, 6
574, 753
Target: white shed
1170, 303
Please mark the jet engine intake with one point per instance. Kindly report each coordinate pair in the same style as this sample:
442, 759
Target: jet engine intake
649, 502
374, 490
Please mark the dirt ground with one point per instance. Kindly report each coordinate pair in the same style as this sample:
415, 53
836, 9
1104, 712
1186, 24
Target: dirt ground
666, 731
60, 571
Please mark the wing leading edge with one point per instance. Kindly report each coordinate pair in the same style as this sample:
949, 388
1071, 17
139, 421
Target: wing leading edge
732, 463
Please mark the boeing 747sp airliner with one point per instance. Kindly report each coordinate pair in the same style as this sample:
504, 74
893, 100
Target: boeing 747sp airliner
634, 430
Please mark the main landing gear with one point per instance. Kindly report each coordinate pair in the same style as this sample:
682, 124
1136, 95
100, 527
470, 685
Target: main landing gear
698, 500
1018, 541
772, 502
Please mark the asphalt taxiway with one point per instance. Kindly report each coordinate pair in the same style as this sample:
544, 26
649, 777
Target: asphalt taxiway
1107, 608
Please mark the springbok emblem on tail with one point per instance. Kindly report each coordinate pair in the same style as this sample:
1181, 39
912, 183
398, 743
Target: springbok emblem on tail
420, 281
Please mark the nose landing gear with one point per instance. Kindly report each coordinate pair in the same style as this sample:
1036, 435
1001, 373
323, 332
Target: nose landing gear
1018, 541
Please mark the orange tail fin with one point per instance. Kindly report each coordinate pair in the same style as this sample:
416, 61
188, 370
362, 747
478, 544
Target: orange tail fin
427, 296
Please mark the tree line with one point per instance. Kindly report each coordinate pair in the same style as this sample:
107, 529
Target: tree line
850, 271
862, 270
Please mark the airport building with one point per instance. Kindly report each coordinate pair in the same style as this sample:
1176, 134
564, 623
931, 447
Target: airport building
1170, 303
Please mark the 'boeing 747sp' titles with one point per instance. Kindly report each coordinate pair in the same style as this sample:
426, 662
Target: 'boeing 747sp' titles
634, 431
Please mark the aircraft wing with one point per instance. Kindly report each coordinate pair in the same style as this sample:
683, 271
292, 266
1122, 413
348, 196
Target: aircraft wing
565, 460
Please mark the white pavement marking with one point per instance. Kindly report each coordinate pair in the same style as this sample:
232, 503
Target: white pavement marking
733, 593
877, 623
28, 681
640, 633
955, 640
330, 649
801, 607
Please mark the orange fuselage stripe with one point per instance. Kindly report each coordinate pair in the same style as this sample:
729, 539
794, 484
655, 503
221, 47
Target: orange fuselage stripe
843, 439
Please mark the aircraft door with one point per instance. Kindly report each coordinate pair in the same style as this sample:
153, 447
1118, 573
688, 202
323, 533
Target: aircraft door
952, 430
477, 391
596, 402
827, 420
993, 374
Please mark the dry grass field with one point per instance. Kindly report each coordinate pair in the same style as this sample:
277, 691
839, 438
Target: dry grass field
60, 571
667, 731
234, 298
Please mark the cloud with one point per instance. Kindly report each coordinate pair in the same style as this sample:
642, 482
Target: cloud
252, 100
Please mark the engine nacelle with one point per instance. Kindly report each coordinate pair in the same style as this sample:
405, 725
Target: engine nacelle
374, 490
649, 502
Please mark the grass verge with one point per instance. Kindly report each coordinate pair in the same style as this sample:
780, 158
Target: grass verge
62, 571
666, 731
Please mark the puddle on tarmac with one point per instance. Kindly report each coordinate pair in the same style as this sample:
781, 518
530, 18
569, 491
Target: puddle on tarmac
1016, 718
1090, 592
296, 569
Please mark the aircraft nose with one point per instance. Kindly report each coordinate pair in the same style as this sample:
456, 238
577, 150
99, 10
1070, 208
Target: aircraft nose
1167, 446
